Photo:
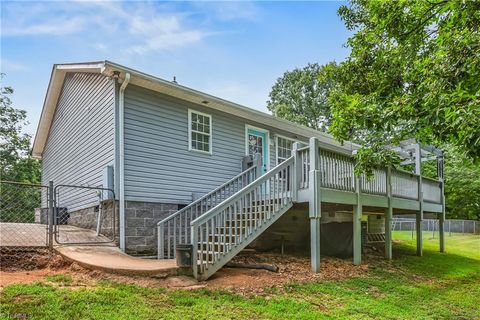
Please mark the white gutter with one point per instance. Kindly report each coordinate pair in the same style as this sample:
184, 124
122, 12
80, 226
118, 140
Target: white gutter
121, 122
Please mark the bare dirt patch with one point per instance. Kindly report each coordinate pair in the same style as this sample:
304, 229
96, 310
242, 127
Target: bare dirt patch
27, 266
291, 269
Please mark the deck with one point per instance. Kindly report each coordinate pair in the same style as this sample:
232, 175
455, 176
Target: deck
403, 191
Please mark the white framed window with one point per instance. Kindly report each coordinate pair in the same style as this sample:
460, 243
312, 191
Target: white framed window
284, 148
199, 132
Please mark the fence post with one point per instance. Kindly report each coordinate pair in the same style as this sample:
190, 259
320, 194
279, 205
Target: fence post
51, 211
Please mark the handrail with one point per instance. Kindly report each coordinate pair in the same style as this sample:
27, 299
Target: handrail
246, 189
177, 225
221, 232
205, 196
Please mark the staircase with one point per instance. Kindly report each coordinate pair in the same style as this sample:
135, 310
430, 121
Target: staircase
175, 229
219, 227
222, 232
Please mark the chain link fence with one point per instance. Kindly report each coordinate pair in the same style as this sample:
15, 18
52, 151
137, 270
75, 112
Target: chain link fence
84, 215
37, 217
451, 226
23, 219
24, 227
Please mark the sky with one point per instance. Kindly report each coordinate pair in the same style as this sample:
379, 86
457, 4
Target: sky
233, 50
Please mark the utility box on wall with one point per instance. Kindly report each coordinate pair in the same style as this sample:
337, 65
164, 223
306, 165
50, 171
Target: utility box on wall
108, 182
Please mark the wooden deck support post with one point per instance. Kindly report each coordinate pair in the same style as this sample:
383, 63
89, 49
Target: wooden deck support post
441, 220
315, 205
388, 217
419, 216
357, 225
297, 171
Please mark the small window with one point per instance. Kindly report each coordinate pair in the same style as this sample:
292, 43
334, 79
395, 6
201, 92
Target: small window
284, 148
199, 131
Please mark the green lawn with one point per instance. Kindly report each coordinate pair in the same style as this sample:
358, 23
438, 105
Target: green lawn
435, 286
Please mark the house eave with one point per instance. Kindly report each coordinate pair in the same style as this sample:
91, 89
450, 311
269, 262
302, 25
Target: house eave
197, 97
141, 79
51, 99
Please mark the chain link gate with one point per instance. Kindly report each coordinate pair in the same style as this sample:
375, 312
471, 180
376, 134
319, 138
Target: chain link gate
24, 216
84, 215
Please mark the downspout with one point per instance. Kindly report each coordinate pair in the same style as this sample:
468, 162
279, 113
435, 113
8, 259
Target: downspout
121, 123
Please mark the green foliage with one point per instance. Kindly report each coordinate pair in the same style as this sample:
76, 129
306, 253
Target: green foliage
301, 95
435, 286
413, 71
16, 163
462, 184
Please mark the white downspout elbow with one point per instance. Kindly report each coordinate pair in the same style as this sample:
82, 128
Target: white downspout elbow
121, 123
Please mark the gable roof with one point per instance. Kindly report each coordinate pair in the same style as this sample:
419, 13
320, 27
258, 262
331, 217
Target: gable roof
170, 88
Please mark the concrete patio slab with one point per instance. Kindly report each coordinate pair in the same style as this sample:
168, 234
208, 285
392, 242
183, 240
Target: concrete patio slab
35, 235
112, 259
23, 235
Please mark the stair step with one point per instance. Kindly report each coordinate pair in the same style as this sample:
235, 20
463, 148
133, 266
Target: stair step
241, 222
223, 238
216, 247
235, 231
208, 254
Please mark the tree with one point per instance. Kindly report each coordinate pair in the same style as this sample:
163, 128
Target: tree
413, 71
301, 95
16, 163
462, 184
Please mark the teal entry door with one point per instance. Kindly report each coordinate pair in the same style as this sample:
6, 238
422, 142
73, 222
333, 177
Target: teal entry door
258, 143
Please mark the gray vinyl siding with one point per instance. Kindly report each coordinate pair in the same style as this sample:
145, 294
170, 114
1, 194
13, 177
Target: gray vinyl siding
81, 139
158, 165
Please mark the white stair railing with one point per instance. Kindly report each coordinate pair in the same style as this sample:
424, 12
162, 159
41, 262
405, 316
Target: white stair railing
222, 232
175, 229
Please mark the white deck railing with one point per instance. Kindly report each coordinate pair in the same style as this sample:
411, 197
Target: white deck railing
404, 184
432, 191
377, 184
337, 172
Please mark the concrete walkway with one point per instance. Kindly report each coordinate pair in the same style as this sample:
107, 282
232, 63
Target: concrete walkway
36, 235
111, 259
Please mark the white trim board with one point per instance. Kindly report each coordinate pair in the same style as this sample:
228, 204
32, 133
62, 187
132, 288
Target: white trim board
190, 111
267, 147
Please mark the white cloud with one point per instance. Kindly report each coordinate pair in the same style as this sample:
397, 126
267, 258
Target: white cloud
10, 66
138, 27
101, 47
57, 27
162, 34
229, 10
